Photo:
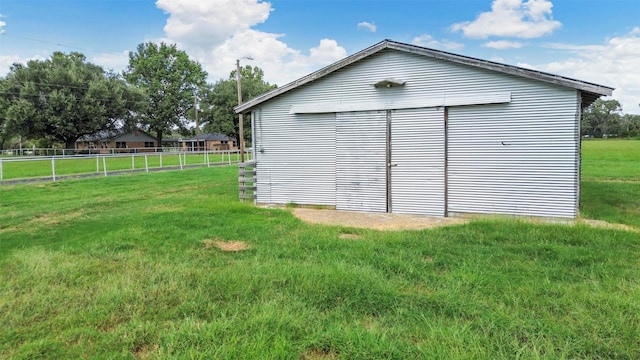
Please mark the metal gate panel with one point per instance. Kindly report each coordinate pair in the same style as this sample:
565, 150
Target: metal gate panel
361, 161
417, 180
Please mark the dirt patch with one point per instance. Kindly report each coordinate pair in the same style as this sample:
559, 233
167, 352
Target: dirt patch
608, 225
376, 221
318, 354
55, 218
390, 221
349, 236
226, 246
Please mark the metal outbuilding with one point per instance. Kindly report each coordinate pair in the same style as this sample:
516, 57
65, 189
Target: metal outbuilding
406, 129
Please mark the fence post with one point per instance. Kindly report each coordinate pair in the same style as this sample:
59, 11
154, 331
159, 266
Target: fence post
180, 159
146, 163
97, 163
53, 168
160, 159
104, 165
1, 168
133, 162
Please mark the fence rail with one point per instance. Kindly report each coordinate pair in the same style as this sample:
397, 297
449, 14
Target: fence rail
16, 168
38, 152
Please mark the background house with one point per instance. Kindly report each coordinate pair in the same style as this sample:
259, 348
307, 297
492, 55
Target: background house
136, 139
208, 142
406, 129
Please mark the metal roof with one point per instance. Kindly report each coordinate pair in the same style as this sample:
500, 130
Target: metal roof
592, 90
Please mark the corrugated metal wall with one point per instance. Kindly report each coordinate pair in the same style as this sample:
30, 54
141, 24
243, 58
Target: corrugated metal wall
296, 157
518, 158
503, 158
417, 159
361, 161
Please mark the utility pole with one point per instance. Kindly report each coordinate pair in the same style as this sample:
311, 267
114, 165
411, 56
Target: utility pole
240, 117
196, 107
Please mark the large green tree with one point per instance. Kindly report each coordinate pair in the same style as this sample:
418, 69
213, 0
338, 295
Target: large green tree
602, 118
64, 98
169, 79
220, 98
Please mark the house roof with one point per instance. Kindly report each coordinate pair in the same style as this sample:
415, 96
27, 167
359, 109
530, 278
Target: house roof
201, 137
591, 90
118, 135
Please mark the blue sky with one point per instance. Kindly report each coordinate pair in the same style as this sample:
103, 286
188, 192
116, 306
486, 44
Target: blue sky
597, 41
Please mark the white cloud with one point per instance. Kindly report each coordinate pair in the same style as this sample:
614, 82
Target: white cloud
427, 40
527, 66
6, 61
367, 26
281, 64
111, 61
503, 44
217, 32
512, 18
202, 23
615, 63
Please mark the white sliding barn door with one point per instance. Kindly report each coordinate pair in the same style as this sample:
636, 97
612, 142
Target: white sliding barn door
361, 161
417, 180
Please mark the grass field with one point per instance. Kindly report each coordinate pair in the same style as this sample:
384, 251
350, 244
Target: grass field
610, 187
128, 267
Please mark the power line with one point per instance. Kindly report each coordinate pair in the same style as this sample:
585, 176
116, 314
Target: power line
51, 43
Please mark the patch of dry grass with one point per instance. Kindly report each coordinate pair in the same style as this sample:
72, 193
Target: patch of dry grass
226, 246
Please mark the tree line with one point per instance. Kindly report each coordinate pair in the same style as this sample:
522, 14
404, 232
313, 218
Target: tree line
65, 97
604, 118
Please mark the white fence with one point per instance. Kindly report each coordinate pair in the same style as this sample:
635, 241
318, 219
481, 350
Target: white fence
34, 151
18, 168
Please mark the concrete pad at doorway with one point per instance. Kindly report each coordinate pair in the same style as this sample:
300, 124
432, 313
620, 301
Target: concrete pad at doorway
376, 221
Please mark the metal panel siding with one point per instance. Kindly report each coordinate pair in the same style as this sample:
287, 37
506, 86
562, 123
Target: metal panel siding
361, 163
417, 153
295, 156
516, 159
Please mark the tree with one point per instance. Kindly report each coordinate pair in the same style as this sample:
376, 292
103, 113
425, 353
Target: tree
630, 125
169, 79
64, 98
601, 118
219, 99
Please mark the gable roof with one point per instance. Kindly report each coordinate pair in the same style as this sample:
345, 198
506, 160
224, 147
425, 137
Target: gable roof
591, 90
117, 135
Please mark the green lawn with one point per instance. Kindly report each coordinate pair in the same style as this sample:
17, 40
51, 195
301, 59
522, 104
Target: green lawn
610, 187
127, 267
611, 160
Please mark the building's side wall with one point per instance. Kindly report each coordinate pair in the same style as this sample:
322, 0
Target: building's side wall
298, 159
